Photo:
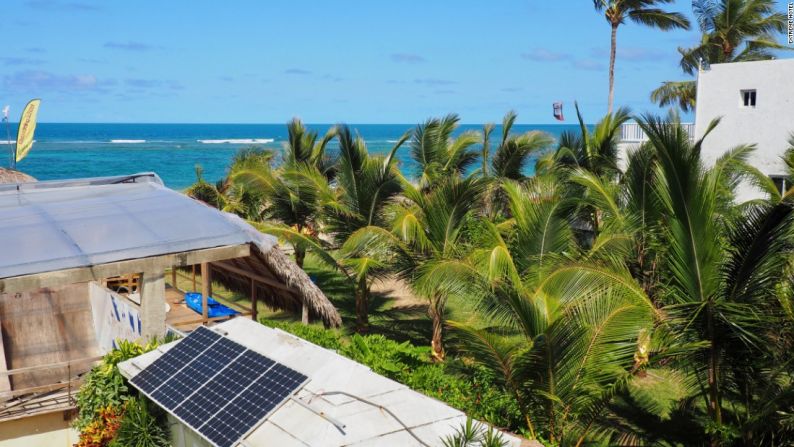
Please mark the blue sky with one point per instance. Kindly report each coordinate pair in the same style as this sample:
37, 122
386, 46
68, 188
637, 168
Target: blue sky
254, 61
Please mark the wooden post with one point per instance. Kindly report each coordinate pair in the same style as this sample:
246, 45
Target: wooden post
173, 278
206, 289
194, 278
305, 314
253, 300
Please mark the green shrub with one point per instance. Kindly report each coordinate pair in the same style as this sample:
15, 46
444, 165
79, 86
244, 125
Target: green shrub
469, 435
140, 427
104, 386
469, 389
384, 356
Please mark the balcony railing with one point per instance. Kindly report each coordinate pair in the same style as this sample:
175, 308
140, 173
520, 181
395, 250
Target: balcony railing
633, 133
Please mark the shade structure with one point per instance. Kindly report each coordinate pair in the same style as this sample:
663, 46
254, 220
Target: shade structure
13, 176
59, 225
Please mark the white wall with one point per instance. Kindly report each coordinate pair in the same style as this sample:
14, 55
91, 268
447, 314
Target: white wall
768, 124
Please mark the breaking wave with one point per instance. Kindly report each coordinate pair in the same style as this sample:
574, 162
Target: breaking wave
238, 141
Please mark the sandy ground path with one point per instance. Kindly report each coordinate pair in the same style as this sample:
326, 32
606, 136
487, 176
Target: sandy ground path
398, 291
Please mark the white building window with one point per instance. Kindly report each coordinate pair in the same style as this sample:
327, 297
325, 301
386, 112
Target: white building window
748, 98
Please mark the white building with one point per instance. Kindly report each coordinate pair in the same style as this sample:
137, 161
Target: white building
755, 101
755, 104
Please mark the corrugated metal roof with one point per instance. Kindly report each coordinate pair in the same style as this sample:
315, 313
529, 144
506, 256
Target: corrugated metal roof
50, 226
294, 425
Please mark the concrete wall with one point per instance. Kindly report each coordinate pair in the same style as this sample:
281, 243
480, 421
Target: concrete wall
46, 430
768, 124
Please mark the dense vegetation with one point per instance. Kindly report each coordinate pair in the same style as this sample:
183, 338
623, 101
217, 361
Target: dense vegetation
111, 413
620, 302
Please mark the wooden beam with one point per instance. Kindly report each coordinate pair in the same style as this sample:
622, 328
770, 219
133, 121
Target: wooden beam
206, 290
27, 369
98, 272
43, 388
178, 323
234, 269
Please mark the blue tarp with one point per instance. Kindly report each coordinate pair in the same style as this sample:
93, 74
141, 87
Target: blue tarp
214, 308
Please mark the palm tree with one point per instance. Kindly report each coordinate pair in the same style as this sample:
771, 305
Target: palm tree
437, 153
595, 152
426, 237
559, 352
723, 280
304, 148
509, 160
204, 191
293, 193
643, 12
429, 229
588, 341
732, 31
365, 184
717, 292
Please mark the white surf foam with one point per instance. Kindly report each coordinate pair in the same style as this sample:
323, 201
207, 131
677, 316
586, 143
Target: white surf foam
238, 141
127, 141
10, 142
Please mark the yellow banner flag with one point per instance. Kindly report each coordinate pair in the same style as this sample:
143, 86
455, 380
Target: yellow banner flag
27, 125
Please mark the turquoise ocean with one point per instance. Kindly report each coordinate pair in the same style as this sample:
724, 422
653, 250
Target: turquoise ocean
63, 151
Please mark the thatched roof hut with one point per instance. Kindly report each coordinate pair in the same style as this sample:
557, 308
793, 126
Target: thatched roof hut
14, 176
277, 281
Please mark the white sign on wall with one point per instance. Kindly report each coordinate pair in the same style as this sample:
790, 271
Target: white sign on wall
115, 318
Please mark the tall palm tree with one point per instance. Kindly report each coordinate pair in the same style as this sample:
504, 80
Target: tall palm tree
365, 185
437, 153
731, 31
643, 12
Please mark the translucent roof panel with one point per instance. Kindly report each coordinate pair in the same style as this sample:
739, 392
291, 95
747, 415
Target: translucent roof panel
49, 226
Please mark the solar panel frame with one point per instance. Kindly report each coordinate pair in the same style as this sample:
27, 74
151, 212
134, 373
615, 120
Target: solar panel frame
252, 355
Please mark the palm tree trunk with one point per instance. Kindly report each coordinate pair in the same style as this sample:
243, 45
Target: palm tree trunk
612, 52
713, 378
437, 314
362, 306
300, 256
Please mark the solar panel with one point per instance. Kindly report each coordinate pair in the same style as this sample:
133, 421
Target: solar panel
172, 361
216, 386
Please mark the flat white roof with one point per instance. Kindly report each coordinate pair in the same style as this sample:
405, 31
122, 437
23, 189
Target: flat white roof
294, 425
50, 226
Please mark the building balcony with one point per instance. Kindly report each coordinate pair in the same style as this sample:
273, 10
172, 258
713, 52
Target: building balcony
633, 133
